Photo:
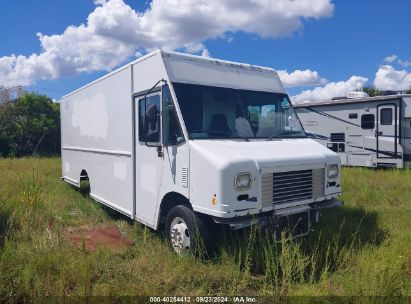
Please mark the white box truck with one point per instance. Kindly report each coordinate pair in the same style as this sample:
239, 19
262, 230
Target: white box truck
180, 141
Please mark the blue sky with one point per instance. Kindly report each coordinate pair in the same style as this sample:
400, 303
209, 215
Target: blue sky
329, 42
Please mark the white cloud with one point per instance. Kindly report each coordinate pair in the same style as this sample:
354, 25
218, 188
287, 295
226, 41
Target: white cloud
100, 2
114, 32
391, 58
330, 90
404, 63
194, 48
394, 58
300, 78
206, 53
387, 78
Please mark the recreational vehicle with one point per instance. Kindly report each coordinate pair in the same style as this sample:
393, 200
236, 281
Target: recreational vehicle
369, 131
184, 142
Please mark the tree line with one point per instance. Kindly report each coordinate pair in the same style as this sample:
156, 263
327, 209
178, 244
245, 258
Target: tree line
372, 90
30, 125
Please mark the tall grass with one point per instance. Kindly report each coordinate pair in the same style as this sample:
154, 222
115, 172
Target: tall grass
360, 249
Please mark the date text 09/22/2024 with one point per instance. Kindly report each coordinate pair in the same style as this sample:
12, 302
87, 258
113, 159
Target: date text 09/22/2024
200, 299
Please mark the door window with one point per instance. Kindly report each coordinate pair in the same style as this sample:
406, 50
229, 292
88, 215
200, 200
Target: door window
149, 119
367, 121
172, 133
386, 117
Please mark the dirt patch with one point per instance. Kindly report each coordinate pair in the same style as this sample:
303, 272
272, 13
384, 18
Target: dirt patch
108, 237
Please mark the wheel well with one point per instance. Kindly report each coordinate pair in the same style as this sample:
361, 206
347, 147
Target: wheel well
171, 200
83, 175
84, 183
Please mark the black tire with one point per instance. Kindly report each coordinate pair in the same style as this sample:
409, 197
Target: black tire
197, 230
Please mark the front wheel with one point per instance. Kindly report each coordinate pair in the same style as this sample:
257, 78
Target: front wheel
186, 232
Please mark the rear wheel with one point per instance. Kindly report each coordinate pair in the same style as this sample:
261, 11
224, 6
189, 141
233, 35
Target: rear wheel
186, 232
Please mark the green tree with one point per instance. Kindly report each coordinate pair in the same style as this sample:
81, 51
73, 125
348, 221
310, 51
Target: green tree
371, 90
408, 91
30, 125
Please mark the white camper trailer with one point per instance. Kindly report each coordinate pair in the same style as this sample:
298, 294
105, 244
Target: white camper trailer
369, 132
179, 141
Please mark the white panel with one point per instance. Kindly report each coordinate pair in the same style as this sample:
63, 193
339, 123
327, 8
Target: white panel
105, 184
199, 70
407, 106
97, 137
95, 125
99, 116
148, 72
120, 170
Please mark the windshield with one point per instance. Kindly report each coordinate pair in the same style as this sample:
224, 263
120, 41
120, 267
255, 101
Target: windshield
213, 112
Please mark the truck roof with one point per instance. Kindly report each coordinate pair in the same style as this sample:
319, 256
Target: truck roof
348, 100
220, 62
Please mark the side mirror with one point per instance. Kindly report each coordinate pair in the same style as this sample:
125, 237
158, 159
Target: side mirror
152, 116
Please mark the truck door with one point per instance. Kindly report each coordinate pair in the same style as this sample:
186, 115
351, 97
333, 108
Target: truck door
387, 131
149, 162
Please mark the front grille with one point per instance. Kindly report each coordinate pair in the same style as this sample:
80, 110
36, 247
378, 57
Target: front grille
292, 186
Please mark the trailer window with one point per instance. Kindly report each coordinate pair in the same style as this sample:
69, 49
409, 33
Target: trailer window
332, 146
149, 122
352, 115
368, 121
172, 133
337, 137
386, 116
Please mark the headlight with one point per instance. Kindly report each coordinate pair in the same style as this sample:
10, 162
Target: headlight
242, 181
332, 171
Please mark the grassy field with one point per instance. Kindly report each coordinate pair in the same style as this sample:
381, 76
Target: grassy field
363, 248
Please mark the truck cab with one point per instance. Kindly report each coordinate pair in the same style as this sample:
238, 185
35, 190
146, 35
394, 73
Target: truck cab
228, 142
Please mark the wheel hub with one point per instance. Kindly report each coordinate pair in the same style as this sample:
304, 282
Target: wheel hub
179, 235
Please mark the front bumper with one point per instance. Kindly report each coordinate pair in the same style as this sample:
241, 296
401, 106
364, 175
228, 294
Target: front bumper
308, 213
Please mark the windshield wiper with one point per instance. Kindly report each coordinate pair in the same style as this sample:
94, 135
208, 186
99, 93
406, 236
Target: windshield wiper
279, 134
229, 133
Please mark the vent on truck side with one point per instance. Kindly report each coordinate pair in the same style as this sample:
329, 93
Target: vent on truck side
184, 176
292, 186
